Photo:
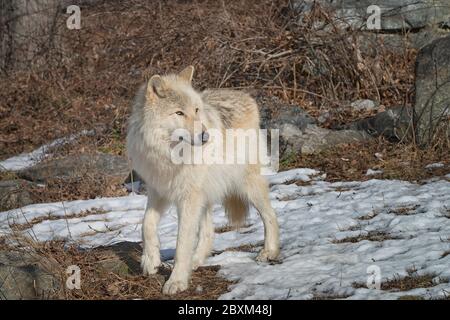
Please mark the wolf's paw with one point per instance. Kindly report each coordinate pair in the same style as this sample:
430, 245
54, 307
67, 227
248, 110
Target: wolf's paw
197, 262
174, 286
267, 255
149, 266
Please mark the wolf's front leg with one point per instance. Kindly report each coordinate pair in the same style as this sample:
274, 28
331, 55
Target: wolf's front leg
189, 213
151, 259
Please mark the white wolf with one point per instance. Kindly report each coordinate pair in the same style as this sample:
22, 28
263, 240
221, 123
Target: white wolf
163, 105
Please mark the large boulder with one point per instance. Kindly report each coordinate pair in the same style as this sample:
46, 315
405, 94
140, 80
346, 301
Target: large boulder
21, 277
122, 258
403, 23
394, 124
314, 139
369, 42
432, 103
274, 113
298, 131
395, 14
113, 167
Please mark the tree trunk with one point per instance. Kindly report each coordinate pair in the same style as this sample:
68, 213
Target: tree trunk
26, 32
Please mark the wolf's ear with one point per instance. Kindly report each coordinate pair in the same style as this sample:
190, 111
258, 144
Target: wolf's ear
187, 74
156, 88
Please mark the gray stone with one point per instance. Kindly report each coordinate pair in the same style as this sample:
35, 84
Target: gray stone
274, 113
314, 139
21, 277
395, 14
298, 131
369, 42
395, 124
122, 258
14, 194
432, 103
110, 166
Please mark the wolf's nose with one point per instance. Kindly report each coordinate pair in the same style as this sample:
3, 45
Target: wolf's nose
205, 136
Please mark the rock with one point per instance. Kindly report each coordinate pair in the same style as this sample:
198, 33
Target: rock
314, 139
324, 117
122, 258
111, 166
432, 103
369, 42
298, 131
22, 278
426, 36
395, 14
403, 23
364, 105
13, 194
394, 124
275, 113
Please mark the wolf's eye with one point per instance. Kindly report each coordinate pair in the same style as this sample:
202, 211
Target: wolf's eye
196, 110
180, 113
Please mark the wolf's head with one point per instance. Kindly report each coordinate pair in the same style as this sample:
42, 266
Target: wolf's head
177, 109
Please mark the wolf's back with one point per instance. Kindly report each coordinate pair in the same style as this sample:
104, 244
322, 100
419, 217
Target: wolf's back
237, 109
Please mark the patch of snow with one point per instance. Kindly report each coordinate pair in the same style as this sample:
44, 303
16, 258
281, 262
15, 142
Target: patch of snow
434, 165
315, 221
371, 172
302, 174
26, 160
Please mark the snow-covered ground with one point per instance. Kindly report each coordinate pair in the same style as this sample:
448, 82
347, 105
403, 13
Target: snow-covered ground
315, 219
26, 160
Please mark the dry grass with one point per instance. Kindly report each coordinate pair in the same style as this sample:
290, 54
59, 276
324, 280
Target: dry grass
228, 228
370, 236
93, 73
409, 282
8, 175
369, 216
104, 277
88, 185
67, 189
245, 248
29, 224
257, 46
328, 296
350, 162
404, 211
251, 247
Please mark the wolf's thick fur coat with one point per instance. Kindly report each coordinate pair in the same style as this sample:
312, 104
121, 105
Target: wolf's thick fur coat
162, 105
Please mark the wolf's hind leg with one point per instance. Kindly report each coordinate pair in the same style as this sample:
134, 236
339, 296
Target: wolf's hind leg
258, 194
205, 239
151, 259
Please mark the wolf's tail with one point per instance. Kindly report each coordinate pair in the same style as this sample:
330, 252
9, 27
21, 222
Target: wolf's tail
236, 209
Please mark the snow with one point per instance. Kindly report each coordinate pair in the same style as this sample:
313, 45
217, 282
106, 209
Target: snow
315, 220
371, 172
26, 160
434, 165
